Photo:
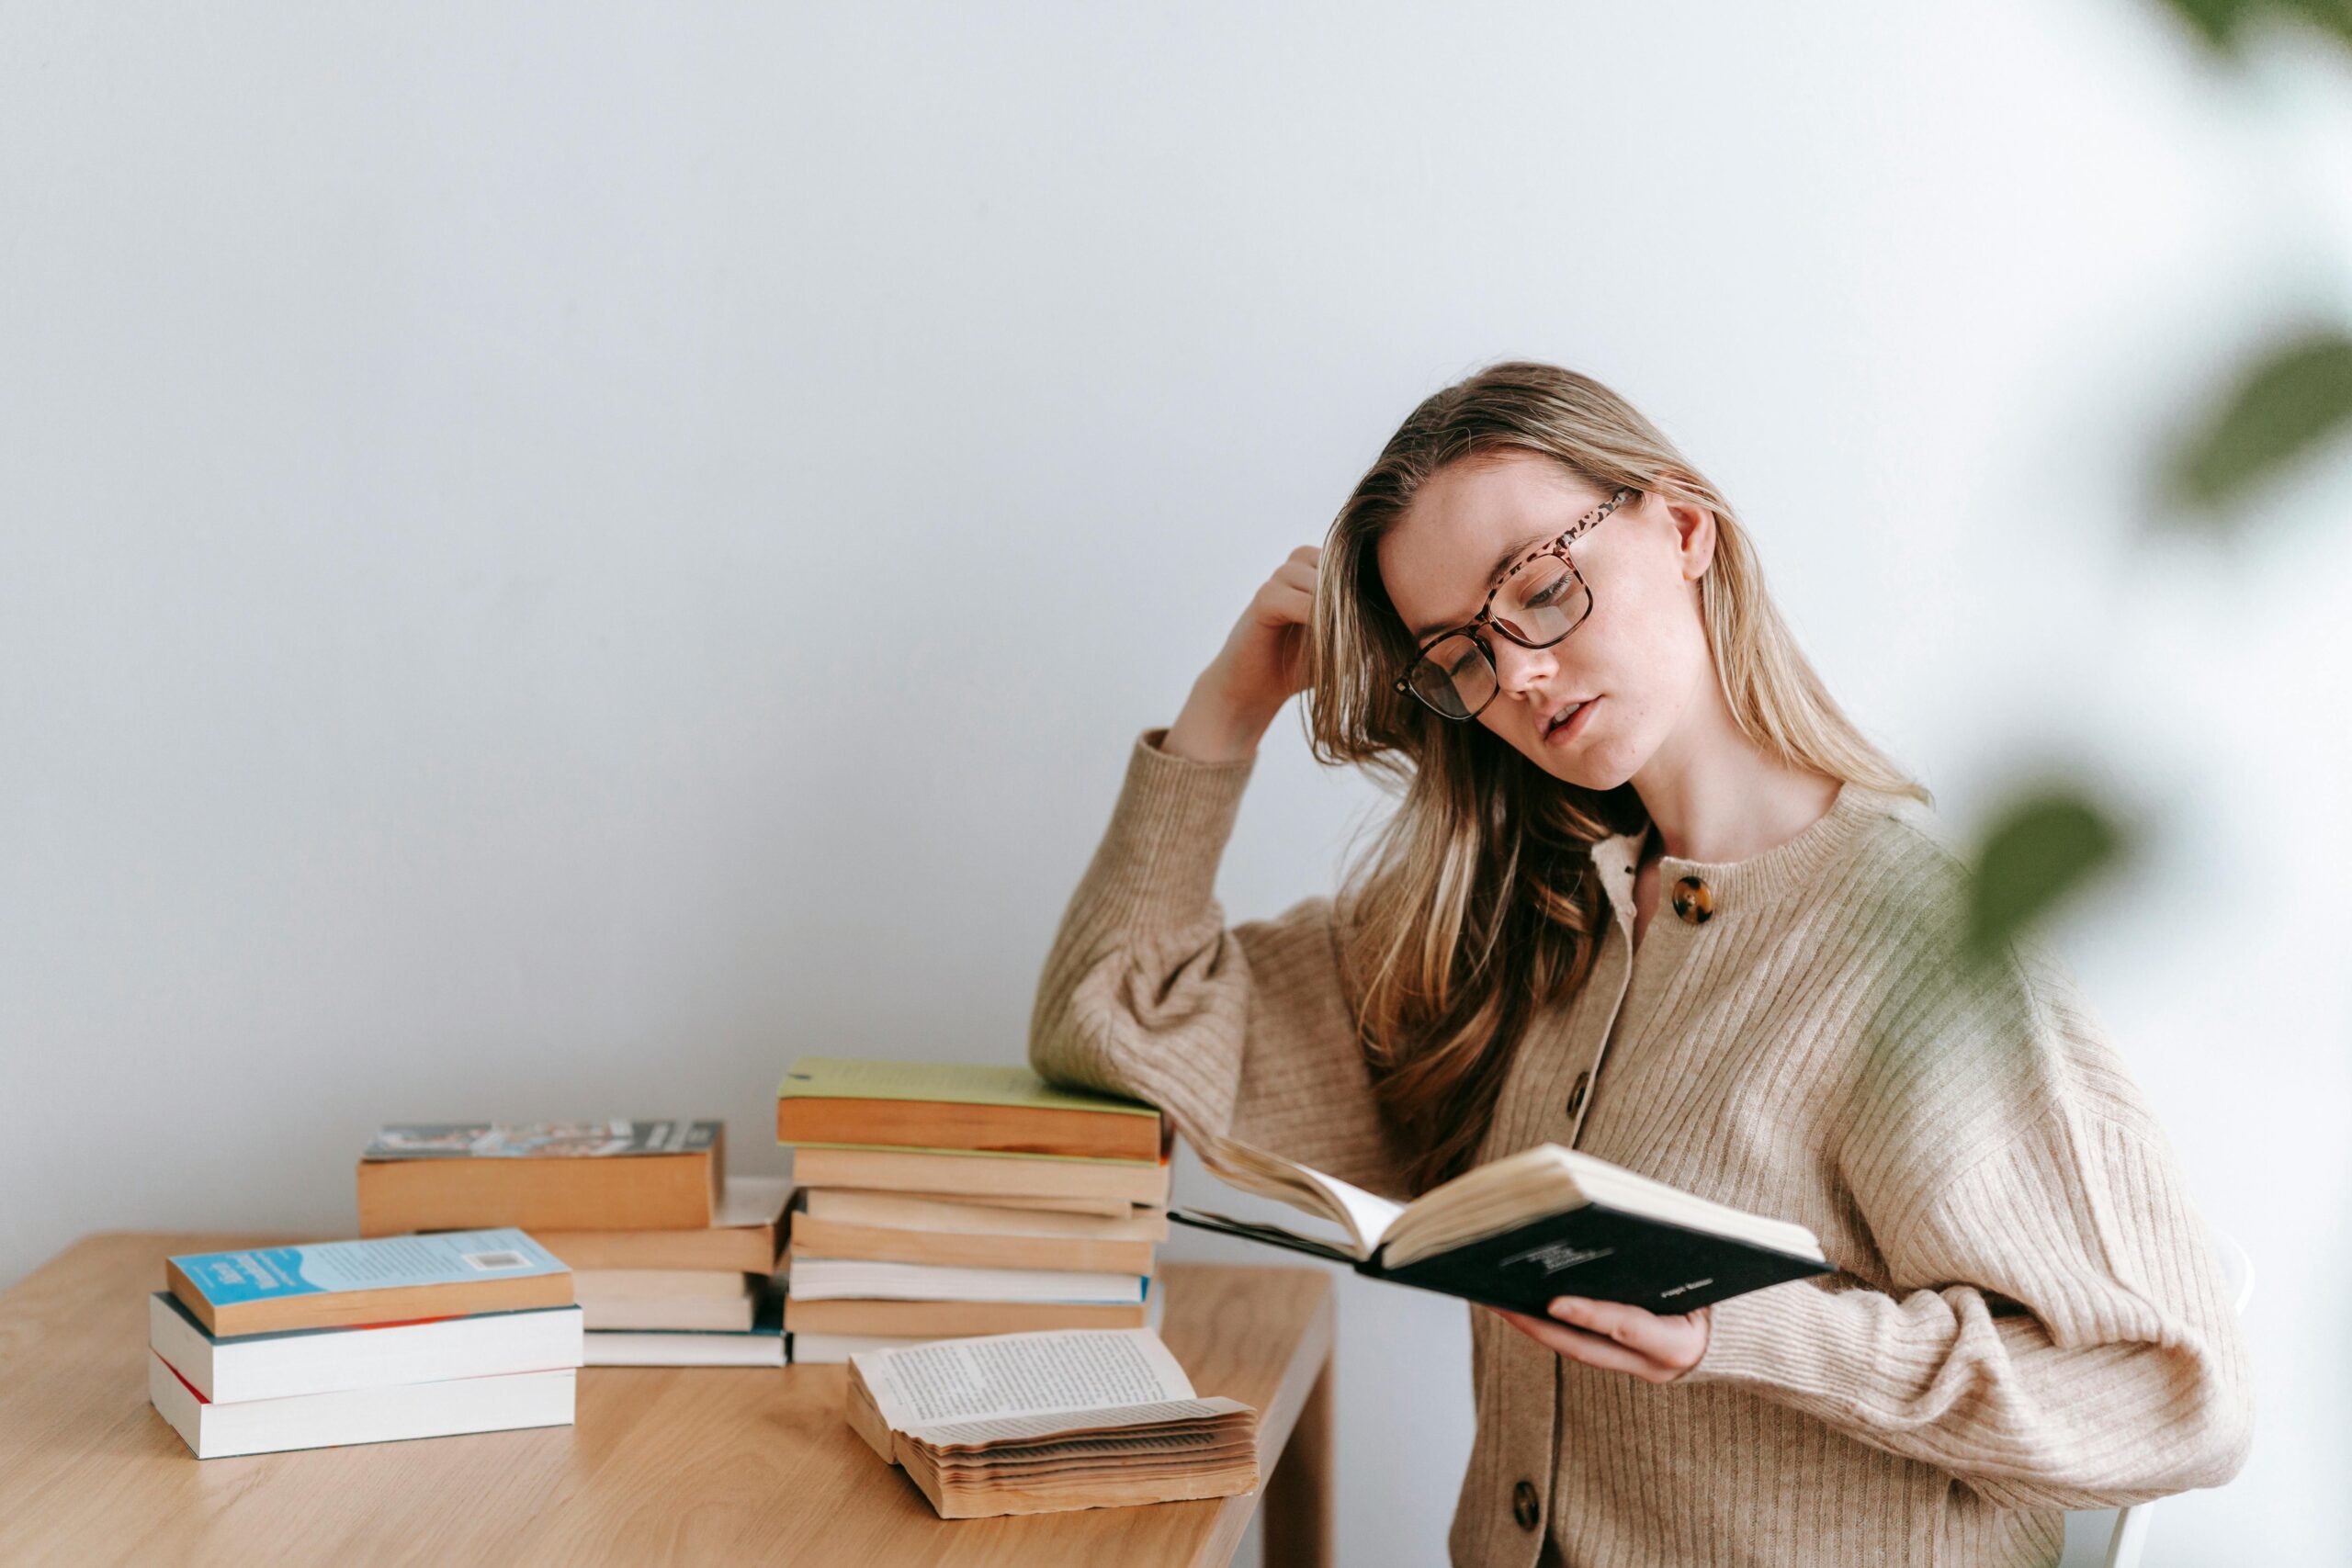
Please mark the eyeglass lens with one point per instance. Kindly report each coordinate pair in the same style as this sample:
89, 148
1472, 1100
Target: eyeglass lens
1541, 603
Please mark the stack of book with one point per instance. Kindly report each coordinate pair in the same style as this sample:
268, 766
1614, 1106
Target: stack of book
938, 1200
701, 1297
674, 1262
363, 1342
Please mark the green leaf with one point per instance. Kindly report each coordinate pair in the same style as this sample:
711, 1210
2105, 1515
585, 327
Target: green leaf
2331, 16
2220, 23
2215, 21
2043, 847
2280, 408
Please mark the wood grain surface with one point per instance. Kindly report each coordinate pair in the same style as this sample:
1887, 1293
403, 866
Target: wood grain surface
664, 1464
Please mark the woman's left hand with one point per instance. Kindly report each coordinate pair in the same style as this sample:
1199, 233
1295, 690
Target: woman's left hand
1617, 1338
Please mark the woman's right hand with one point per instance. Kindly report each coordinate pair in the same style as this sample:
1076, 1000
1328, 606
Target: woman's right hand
1262, 666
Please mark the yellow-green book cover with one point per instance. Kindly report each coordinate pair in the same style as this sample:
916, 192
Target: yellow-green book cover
958, 1083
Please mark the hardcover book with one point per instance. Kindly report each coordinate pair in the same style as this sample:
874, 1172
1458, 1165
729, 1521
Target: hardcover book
1542, 1222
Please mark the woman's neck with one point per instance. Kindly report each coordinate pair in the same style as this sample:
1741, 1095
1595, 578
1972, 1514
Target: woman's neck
1714, 794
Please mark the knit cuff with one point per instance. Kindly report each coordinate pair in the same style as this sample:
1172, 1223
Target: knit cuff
1765, 1336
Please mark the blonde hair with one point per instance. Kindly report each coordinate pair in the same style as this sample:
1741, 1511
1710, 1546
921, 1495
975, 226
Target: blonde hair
1473, 909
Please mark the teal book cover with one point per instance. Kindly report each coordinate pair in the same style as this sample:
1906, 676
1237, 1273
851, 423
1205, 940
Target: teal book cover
274, 1273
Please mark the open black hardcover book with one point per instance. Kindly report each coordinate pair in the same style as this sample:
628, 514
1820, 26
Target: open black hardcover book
1542, 1222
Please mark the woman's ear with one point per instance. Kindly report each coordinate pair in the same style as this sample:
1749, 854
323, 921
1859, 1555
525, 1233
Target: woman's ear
1694, 535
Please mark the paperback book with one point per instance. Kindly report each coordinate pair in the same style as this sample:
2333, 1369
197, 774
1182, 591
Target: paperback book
1039, 1423
854, 1101
559, 1176
339, 1284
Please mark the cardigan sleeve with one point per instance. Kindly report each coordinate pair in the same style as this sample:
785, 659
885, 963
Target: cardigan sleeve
1246, 1032
2055, 1331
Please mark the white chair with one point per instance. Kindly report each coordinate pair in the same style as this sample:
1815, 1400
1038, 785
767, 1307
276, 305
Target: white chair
2130, 1536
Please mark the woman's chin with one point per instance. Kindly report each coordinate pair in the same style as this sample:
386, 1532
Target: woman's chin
1585, 767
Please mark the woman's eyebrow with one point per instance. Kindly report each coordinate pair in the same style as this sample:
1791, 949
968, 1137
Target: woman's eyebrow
1510, 553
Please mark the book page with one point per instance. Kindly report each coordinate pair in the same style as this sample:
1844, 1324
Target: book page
1026, 1429
1003, 1376
1365, 1216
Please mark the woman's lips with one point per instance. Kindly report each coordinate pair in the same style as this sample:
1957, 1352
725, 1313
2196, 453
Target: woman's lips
1566, 733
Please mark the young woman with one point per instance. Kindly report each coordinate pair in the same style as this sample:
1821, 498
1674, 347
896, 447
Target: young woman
1648, 892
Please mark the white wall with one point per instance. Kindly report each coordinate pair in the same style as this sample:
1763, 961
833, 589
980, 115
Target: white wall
552, 559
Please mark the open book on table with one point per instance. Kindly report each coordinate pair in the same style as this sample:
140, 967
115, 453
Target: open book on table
1036, 1423
1542, 1222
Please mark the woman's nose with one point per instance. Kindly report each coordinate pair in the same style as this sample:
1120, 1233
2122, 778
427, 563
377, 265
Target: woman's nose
1517, 668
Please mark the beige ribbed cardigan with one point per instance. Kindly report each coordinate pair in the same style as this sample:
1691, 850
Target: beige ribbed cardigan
2027, 1317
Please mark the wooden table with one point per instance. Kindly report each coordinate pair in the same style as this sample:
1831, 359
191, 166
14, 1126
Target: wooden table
686, 1465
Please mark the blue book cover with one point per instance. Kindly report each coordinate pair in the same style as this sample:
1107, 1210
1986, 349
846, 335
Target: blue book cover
447, 1258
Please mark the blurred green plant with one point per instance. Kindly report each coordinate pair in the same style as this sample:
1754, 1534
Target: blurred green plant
2286, 404
2044, 845
2222, 22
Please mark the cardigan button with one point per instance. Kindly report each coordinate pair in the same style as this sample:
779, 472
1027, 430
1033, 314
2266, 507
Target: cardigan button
1575, 1095
1693, 900
1523, 1506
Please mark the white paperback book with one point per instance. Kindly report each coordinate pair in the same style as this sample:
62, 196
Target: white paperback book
848, 1279
323, 1360
393, 1413
683, 1348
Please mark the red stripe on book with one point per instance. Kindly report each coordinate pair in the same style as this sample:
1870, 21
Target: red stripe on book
176, 1373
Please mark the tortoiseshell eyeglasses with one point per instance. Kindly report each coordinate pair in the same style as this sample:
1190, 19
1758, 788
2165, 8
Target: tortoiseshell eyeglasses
1535, 604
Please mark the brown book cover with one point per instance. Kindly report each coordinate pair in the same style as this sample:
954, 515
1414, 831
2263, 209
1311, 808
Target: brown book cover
745, 1236
560, 1176
982, 1178
939, 1320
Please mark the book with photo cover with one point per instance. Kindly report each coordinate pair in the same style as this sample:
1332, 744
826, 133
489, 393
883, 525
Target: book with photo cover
1542, 1222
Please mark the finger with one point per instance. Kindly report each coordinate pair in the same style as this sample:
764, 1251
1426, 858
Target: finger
1644, 1331
1310, 554
1296, 575
1609, 1356
1591, 1349
1280, 603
